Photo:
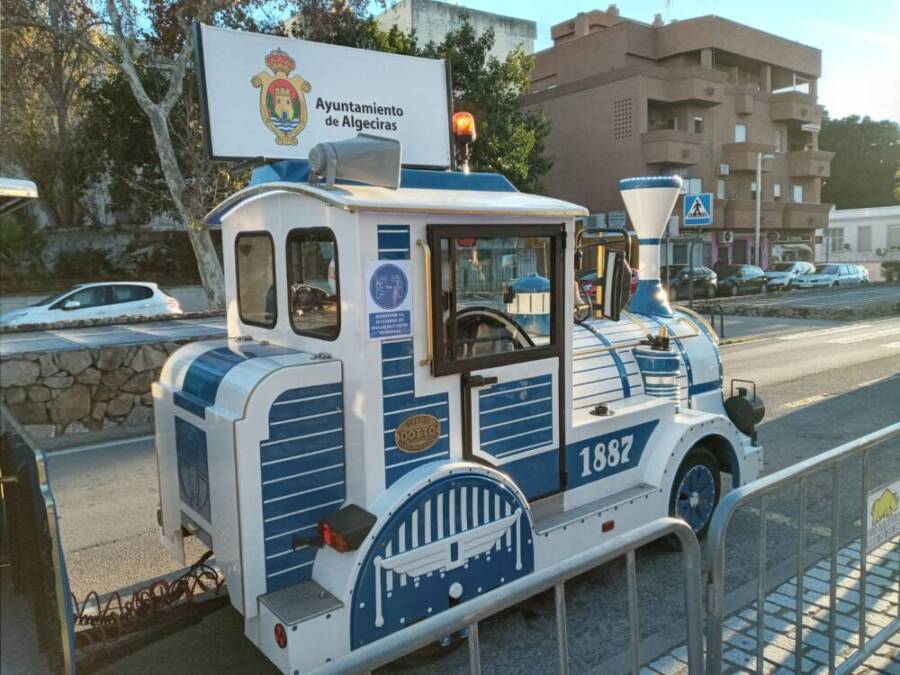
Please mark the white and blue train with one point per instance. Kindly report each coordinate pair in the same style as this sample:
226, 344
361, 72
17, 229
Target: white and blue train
411, 410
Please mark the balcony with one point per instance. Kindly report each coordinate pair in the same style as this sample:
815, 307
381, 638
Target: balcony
810, 163
742, 156
697, 86
740, 214
667, 146
806, 216
796, 107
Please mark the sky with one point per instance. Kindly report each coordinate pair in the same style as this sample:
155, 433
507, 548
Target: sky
859, 39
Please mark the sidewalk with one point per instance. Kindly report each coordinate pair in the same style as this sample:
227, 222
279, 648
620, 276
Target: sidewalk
739, 648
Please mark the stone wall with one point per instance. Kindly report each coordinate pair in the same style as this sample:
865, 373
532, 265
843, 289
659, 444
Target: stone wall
71, 392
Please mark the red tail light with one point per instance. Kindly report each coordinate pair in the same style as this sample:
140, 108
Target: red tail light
280, 636
172, 303
331, 537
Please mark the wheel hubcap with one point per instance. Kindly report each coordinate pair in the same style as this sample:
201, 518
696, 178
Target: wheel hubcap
696, 497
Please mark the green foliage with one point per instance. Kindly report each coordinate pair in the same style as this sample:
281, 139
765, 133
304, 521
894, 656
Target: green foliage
510, 138
864, 171
97, 264
21, 243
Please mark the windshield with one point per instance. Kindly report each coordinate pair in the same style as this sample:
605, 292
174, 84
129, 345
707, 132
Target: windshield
826, 269
781, 267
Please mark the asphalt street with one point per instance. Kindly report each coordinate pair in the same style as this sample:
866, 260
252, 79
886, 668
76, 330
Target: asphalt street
822, 386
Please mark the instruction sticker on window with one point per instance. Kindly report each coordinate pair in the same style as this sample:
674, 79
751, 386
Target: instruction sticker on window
882, 515
389, 303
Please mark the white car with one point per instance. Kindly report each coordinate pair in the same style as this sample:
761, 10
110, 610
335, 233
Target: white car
96, 301
782, 274
829, 275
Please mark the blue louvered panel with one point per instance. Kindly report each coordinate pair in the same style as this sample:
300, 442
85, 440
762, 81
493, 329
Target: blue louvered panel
516, 416
400, 402
393, 242
302, 477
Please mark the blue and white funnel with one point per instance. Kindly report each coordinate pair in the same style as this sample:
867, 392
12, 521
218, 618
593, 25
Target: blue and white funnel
649, 201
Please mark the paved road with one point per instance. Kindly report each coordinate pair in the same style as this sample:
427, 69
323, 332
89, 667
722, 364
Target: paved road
822, 387
67, 339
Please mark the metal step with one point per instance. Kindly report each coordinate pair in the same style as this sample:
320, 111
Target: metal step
298, 603
549, 515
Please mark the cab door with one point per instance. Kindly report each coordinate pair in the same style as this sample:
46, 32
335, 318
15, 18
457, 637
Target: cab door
497, 293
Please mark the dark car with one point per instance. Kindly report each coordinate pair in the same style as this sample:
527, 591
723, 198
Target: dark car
679, 280
738, 279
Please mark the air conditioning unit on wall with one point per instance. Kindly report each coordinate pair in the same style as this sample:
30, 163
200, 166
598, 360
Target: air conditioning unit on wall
726, 237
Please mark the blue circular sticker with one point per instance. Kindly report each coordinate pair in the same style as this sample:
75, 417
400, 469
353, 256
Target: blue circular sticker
388, 286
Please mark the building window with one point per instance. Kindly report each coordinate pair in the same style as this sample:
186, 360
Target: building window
313, 289
255, 254
776, 192
622, 118
834, 237
698, 125
753, 190
691, 186
798, 193
720, 189
779, 140
740, 133
864, 238
893, 238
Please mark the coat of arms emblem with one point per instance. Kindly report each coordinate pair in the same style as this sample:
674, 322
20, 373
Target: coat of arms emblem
281, 103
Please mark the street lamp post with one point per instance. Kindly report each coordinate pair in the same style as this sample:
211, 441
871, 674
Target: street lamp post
759, 159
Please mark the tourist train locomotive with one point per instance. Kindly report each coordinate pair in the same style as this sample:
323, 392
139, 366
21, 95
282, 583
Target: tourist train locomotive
413, 408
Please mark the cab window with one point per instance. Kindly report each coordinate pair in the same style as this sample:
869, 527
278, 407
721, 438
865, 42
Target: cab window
496, 292
255, 263
313, 292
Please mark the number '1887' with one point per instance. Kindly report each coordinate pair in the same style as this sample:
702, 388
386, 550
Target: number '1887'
605, 455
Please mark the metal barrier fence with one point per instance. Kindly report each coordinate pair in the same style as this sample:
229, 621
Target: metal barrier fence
470, 613
30, 525
761, 491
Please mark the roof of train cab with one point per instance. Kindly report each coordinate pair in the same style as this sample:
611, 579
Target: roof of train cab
420, 191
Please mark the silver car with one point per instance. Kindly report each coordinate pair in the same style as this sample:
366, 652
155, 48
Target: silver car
781, 275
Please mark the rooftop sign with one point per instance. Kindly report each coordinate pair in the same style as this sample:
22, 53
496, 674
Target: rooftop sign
275, 98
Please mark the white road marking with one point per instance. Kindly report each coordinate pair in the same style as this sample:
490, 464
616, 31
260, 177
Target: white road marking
791, 521
871, 335
883, 377
823, 331
892, 345
799, 403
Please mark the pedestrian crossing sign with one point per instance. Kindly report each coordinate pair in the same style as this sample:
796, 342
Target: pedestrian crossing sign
698, 209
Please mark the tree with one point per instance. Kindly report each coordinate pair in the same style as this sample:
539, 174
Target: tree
864, 171
510, 139
44, 77
119, 36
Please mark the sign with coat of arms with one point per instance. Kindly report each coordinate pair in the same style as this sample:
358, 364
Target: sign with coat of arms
275, 98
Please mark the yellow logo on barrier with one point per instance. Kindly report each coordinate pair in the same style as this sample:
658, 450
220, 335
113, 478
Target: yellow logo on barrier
884, 507
282, 106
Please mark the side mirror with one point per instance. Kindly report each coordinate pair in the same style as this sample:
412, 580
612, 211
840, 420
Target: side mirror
616, 285
71, 304
509, 295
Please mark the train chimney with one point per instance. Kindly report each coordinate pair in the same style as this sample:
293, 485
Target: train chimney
649, 201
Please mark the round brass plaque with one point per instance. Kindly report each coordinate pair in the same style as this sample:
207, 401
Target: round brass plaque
417, 433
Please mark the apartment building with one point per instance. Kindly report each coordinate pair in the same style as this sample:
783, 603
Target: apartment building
432, 20
702, 98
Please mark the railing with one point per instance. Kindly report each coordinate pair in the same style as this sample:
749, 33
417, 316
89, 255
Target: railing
717, 308
798, 476
469, 614
31, 524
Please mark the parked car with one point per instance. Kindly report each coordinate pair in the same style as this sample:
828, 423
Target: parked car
781, 275
739, 279
587, 281
96, 301
829, 275
705, 282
